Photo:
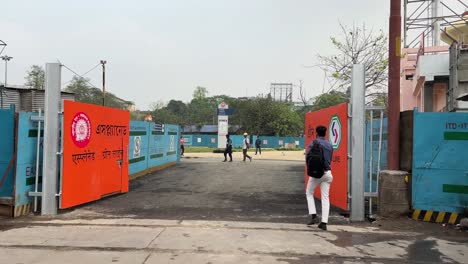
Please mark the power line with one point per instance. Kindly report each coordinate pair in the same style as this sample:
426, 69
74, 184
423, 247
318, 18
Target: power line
65, 66
97, 65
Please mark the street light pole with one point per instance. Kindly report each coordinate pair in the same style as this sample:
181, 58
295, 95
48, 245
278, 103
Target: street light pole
6, 58
103, 63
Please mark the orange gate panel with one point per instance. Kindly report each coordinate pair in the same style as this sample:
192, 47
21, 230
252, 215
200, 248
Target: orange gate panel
95, 152
335, 118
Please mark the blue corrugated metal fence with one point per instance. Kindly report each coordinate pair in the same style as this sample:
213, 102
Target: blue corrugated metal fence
440, 167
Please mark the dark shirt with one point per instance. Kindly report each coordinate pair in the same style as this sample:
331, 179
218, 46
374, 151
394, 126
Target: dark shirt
228, 143
327, 151
258, 142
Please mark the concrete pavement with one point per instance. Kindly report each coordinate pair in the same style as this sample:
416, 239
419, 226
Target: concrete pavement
172, 241
206, 211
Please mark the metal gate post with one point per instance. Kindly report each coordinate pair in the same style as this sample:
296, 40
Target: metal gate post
51, 134
357, 143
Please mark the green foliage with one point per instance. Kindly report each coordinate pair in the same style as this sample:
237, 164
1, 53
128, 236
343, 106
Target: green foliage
86, 94
357, 45
191, 149
260, 116
35, 77
200, 93
137, 115
328, 99
289, 149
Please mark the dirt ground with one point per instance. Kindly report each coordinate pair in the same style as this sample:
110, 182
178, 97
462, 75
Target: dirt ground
266, 155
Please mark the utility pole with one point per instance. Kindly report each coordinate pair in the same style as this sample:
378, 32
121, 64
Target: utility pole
394, 55
103, 63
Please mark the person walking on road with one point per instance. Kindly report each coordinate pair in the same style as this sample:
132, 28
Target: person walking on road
182, 148
318, 160
228, 149
246, 146
258, 145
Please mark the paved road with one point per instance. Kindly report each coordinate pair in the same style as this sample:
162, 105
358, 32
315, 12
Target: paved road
205, 211
270, 191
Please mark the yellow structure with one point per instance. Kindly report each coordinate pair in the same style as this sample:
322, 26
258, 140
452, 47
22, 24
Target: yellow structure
458, 32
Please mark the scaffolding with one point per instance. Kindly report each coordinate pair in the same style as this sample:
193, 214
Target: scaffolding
281, 92
425, 20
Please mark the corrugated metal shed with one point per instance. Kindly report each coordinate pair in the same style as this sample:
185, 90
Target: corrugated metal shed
29, 100
11, 96
38, 101
26, 102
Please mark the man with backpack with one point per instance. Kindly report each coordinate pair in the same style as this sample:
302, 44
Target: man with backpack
318, 160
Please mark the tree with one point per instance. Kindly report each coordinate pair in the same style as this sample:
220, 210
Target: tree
177, 107
200, 93
357, 45
35, 77
287, 122
86, 94
302, 93
328, 99
263, 116
157, 105
82, 90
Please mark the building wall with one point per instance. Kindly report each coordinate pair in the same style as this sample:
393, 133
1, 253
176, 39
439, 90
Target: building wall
440, 97
407, 80
419, 68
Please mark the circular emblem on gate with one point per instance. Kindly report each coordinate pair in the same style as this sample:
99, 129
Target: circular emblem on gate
334, 132
81, 130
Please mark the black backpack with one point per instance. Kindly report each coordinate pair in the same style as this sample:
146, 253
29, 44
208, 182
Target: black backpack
315, 161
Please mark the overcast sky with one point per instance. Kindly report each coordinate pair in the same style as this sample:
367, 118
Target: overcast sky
161, 50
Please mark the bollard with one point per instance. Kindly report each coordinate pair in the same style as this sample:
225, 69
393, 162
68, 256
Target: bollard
393, 194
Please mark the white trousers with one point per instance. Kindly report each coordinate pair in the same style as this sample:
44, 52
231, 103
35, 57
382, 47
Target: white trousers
324, 183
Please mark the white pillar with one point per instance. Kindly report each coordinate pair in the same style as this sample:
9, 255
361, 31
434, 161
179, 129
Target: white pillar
51, 137
357, 143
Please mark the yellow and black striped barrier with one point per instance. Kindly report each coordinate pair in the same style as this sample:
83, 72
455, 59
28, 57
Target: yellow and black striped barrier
436, 217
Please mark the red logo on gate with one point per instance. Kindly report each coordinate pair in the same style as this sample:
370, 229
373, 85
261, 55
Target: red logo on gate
81, 130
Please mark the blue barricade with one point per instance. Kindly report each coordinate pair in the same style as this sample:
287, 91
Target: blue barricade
375, 152
7, 145
152, 146
440, 167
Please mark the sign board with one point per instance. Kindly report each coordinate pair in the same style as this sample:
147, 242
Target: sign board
222, 111
223, 124
158, 127
335, 118
95, 153
223, 105
171, 143
136, 146
334, 132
